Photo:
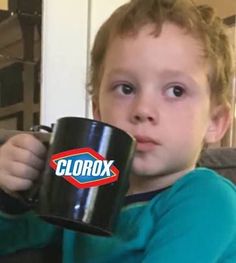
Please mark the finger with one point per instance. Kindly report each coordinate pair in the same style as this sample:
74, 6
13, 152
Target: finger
29, 142
14, 184
21, 170
26, 157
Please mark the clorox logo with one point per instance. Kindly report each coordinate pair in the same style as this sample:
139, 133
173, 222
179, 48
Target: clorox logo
84, 168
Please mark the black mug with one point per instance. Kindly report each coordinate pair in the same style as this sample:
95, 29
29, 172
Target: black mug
86, 176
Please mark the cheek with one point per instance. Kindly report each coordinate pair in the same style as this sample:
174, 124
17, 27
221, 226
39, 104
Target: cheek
189, 124
114, 118
110, 114
111, 111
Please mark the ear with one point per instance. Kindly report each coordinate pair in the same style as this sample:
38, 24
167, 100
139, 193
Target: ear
96, 111
219, 124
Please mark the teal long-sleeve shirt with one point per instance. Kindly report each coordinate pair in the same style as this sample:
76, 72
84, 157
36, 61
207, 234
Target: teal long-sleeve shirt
194, 220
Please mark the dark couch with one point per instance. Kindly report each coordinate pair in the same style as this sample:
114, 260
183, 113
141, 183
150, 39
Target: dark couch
222, 160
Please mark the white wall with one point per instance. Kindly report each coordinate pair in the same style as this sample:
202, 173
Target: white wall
101, 10
69, 28
64, 59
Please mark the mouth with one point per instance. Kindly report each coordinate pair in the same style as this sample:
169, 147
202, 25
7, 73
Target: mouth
145, 144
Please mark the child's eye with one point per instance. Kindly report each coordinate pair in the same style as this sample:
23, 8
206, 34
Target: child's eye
175, 91
125, 89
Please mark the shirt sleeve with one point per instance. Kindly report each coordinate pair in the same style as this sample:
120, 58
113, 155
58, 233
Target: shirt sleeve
198, 223
25, 231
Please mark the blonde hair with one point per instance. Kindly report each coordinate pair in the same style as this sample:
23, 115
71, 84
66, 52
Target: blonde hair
200, 21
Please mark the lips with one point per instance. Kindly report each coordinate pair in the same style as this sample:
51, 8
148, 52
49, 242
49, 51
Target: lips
145, 143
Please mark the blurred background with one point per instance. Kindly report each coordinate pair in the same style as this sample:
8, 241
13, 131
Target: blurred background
20, 58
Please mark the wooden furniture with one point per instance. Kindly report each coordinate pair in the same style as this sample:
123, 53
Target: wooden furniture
20, 52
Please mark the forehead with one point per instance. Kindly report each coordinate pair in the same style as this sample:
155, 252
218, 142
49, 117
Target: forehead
172, 44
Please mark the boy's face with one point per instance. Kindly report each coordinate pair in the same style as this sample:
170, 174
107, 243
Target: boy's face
157, 90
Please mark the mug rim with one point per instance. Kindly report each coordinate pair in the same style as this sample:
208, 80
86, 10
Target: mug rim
99, 123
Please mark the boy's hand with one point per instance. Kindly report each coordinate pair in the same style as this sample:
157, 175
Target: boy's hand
21, 161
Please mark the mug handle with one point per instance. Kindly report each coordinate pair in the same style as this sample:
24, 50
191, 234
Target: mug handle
20, 202
7, 134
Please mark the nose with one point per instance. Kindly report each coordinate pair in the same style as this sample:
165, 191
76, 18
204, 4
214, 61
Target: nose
144, 110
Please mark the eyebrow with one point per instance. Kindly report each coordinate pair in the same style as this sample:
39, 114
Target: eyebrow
178, 73
119, 71
163, 73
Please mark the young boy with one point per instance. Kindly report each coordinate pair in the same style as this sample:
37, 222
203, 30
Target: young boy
161, 70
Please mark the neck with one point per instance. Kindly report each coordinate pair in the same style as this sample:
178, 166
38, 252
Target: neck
140, 184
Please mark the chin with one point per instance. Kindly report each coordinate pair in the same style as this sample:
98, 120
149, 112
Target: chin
146, 164
143, 170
